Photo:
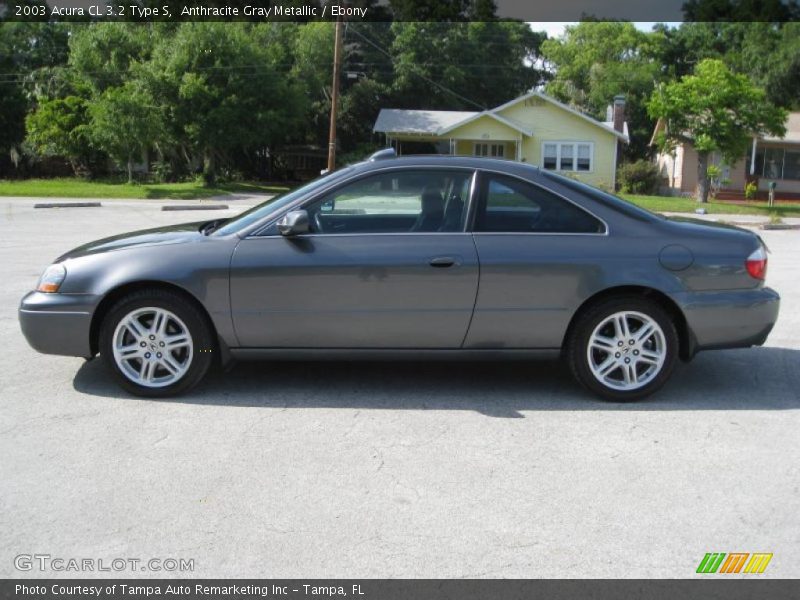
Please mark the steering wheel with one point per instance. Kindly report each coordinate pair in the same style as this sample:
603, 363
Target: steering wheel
318, 222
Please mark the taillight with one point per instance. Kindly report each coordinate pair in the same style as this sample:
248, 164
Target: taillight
756, 263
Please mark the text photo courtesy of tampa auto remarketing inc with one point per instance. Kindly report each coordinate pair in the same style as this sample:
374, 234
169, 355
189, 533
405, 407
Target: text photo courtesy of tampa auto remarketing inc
399, 298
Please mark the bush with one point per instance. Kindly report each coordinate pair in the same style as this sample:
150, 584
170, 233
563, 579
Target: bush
640, 177
162, 172
750, 190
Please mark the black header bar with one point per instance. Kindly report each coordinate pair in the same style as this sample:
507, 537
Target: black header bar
399, 10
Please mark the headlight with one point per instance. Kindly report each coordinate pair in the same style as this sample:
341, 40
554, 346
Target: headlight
52, 278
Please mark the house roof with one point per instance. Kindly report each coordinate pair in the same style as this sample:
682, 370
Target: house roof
439, 122
792, 130
394, 120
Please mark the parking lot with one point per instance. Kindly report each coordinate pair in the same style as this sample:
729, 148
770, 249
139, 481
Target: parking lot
391, 470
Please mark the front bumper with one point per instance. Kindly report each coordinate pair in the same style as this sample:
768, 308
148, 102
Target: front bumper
58, 323
731, 318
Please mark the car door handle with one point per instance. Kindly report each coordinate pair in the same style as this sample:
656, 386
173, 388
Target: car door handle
443, 262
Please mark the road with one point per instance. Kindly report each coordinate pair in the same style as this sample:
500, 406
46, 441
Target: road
391, 470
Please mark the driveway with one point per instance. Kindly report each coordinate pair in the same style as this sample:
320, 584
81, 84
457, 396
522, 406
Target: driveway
391, 470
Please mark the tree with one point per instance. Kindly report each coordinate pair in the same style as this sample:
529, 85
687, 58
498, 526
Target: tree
767, 52
312, 54
463, 66
222, 90
713, 110
101, 54
595, 61
60, 127
25, 49
124, 123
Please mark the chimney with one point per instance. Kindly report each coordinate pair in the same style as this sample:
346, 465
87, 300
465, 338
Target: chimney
619, 113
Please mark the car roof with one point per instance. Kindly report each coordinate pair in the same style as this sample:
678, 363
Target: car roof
445, 160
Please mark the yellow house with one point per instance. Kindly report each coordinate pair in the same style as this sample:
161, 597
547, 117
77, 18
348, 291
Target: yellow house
533, 128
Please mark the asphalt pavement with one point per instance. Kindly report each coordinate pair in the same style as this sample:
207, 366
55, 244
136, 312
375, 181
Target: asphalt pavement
389, 470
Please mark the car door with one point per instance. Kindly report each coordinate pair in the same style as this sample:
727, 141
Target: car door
387, 264
538, 255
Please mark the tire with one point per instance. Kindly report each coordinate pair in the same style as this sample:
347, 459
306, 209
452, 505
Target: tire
626, 371
162, 358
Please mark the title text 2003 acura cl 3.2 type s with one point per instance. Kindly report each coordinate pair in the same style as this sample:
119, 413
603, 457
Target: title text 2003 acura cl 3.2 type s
417, 257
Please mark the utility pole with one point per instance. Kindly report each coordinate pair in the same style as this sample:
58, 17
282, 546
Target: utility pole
337, 58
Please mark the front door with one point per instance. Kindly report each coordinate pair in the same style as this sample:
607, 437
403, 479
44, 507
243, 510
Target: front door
386, 265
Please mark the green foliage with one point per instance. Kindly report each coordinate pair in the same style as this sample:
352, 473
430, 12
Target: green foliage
124, 123
60, 127
768, 52
640, 177
25, 48
750, 190
714, 110
101, 54
463, 66
222, 90
595, 61
716, 180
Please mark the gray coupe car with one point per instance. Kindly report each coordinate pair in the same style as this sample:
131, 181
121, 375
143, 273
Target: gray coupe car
414, 257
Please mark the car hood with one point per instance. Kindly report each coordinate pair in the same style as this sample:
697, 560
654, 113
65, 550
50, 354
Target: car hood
172, 234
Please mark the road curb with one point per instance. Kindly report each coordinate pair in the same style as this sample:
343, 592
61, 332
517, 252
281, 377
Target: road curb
195, 207
779, 226
67, 205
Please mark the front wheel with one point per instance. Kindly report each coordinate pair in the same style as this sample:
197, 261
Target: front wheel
623, 349
156, 343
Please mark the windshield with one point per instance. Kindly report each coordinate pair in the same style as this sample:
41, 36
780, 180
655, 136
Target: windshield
272, 205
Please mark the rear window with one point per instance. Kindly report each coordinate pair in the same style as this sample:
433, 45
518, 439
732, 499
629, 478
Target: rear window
508, 204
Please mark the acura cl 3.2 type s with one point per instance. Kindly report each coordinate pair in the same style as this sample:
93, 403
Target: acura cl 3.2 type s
420, 257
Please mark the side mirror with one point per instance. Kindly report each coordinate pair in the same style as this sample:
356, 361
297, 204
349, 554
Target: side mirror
293, 223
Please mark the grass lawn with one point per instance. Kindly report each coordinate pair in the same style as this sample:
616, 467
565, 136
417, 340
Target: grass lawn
80, 188
688, 205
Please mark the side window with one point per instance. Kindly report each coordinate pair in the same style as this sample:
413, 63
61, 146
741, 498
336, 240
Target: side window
567, 156
400, 201
511, 205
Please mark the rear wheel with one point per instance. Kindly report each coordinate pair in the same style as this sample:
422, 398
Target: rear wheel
156, 343
623, 349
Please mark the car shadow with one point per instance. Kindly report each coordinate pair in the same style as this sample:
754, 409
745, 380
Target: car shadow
749, 379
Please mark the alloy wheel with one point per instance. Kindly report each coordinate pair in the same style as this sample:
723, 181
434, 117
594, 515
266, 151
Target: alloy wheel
626, 350
152, 347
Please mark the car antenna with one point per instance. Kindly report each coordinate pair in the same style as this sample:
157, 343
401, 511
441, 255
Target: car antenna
383, 154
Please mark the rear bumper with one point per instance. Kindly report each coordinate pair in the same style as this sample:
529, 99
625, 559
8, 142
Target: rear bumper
58, 323
731, 318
